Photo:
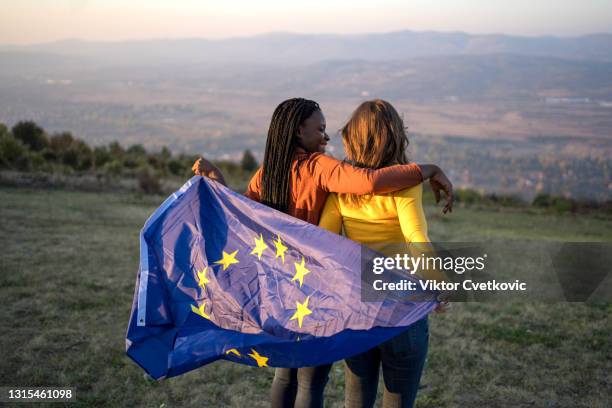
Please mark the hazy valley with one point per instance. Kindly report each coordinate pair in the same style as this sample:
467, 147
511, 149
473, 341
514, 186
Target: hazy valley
509, 114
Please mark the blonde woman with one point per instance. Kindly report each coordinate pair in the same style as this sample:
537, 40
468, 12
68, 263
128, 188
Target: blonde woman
375, 138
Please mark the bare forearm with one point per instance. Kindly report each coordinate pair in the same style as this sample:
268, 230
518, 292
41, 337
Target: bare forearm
428, 170
439, 182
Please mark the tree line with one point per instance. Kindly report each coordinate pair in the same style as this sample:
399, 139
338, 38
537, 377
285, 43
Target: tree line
27, 147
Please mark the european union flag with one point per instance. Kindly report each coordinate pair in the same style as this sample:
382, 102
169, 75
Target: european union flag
224, 277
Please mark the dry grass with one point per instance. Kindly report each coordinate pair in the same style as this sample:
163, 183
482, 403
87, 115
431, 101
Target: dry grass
67, 271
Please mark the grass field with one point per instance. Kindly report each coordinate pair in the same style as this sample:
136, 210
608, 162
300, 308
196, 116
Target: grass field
67, 272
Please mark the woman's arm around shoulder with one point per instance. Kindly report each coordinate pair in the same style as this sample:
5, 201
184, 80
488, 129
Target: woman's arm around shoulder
341, 177
338, 176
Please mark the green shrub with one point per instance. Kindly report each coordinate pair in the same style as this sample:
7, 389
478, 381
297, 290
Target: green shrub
148, 181
22, 163
49, 154
562, 204
165, 154
176, 167
542, 200
468, 196
70, 157
84, 155
101, 156
505, 200
248, 162
116, 150
155, 162
559, 204
31, 135
136, 150
132, 163
60, 142
113, 168
11, 150
38, 162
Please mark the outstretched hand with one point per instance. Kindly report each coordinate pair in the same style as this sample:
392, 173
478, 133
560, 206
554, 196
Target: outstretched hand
442, 307
202, 167
439, 182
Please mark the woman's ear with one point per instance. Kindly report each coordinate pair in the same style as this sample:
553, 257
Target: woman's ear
300, 131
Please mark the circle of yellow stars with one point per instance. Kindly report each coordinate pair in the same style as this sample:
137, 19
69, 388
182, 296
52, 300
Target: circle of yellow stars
228, 259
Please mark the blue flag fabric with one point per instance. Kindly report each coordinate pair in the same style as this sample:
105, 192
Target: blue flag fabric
224, 277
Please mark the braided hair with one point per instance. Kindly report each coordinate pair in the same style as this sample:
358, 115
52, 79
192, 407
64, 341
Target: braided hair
280, 147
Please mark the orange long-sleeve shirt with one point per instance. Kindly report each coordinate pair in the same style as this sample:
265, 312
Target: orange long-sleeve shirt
315, 175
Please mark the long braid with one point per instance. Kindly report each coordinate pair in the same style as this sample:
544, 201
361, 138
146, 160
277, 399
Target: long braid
280, 147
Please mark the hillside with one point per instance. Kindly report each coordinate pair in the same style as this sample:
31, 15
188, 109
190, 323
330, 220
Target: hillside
69, 262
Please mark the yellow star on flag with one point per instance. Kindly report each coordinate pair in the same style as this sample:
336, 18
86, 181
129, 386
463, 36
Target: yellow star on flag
233, 351
300, 272
202, 279
261, 360
301, 312
280, 248
200, 311
260, 246
228, 259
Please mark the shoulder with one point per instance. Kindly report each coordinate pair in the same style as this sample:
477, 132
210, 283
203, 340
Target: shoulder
319, 158
317, 164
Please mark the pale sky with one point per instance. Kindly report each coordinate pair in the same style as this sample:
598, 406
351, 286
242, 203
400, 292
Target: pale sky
35, 21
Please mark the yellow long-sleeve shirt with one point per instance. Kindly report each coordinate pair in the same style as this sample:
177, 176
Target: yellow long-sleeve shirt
381, 221
390, 224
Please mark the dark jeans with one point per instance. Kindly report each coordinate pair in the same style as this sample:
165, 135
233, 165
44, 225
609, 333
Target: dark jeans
299, 387
402, 358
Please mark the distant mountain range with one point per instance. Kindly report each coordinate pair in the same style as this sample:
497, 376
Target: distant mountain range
299, 49
502, 113
401, 65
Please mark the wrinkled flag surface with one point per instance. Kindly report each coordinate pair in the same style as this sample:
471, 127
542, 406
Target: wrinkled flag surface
224, 277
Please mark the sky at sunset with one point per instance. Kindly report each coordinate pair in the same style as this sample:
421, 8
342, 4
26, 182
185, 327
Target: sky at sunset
36, 21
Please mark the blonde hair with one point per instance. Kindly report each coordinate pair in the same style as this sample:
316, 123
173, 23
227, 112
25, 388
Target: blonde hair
374, 137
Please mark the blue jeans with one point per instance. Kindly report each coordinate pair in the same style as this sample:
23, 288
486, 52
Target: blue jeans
402, 359
299, 387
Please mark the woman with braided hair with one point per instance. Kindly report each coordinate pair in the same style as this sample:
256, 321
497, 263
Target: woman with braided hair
296, 177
